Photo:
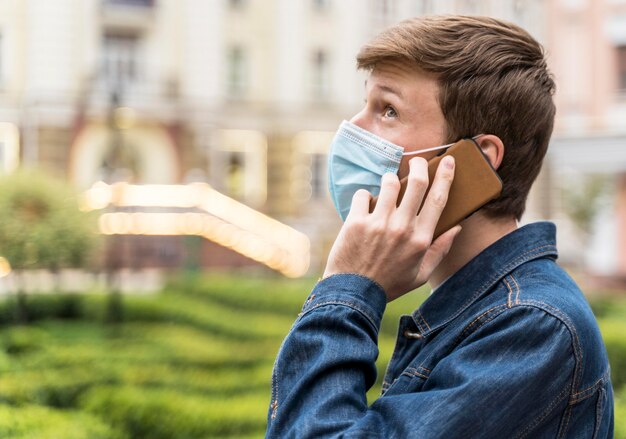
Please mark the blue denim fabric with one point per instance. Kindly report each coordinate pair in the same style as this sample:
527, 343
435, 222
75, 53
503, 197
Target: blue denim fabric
506, 348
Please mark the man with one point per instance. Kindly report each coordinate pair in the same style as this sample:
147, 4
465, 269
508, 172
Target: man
506, 346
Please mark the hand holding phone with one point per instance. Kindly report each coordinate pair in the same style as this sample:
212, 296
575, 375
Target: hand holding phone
475, 184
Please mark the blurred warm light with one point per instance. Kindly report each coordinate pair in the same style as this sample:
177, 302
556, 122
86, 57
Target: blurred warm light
5, 267
124, 117
9, 146
227, 222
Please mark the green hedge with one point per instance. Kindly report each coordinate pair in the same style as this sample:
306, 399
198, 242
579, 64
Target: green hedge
43, 306
192, 362
620, 413
30, 422
169, 414
614, 335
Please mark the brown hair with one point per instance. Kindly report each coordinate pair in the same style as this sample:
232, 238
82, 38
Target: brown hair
493, 79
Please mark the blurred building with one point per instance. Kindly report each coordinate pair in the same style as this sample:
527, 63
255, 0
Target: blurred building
244, 95
584, 180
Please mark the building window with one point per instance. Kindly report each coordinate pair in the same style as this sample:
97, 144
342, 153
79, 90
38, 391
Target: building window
309, 177
120, 59
237, 4
235, 175
140, 3
237, 72
621, 68
9, 147
1, 58
319, 176
321, 75
238, 166
321, 5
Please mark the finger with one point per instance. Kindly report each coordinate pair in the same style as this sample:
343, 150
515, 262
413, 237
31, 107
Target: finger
416, 186
388, 197
435, 254
437, 196
360, 203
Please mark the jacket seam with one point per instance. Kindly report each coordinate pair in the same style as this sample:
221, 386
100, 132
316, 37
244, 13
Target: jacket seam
477, 320
546, 412
412, 372
555, 313
519, 290
385, 385
589, 391
565, 422
521, 259
353, 274
578, 356
423, 319
350, 305
509, 297
599, 412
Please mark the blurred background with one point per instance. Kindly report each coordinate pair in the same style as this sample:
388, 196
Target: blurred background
163, 181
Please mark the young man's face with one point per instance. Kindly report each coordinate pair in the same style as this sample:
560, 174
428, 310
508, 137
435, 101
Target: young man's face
401, 107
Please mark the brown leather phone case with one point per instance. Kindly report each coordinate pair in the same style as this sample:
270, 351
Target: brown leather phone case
475, 184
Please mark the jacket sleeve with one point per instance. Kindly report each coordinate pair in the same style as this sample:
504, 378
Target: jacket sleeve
498, 381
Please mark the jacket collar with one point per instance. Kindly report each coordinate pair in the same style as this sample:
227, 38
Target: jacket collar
478, 276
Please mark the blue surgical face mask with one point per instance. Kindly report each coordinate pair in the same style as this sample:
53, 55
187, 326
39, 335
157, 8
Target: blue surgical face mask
358, 159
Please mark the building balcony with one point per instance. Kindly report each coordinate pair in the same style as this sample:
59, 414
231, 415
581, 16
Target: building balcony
130, 14
130, 3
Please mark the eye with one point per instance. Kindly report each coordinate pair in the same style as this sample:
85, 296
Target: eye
390, 112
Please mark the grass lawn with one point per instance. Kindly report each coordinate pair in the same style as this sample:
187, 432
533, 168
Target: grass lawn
194, 361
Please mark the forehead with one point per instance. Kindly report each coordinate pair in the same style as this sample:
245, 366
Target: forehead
403, 80
413, 86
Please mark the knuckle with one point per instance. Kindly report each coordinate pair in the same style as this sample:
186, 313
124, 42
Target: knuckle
391, 181
447, 175
418, 162
379, 227
439, 200
360, 193
357, 224
397, 231
420, 241
418, 179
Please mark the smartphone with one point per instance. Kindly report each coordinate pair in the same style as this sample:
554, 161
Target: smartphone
475, 184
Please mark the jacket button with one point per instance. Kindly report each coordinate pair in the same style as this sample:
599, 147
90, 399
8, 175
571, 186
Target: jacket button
414, 335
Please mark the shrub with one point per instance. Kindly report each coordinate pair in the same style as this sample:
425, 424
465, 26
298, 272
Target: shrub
42, 307
55, 387
41, 225
613, 333
169, 414
33, 421
620, 414
22, 339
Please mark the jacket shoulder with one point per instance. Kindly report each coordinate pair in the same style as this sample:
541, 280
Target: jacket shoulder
544, 285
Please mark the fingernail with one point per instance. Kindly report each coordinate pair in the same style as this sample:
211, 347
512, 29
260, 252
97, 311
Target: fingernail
448, 162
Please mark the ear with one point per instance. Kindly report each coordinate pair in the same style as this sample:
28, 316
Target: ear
493, 148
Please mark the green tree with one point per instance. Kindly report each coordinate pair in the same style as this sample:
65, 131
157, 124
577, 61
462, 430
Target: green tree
585, 197
41, 227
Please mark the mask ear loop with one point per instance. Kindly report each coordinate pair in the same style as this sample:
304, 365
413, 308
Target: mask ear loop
436, 148
476, 137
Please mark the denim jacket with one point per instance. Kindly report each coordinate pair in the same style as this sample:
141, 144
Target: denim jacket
507, 347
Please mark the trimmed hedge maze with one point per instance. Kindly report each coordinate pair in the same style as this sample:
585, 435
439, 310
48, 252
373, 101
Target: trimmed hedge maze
193, 361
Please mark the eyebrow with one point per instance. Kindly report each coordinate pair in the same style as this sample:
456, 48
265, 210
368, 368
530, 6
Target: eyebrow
389, 89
